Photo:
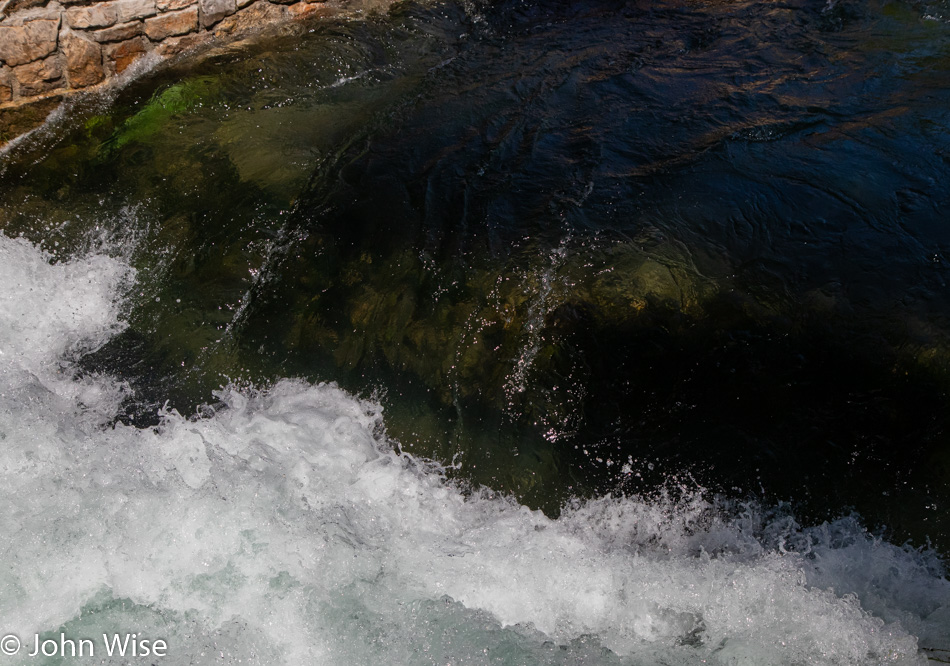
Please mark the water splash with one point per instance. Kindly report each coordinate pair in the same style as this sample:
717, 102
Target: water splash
282, 527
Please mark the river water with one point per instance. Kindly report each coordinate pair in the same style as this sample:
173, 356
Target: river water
509, 333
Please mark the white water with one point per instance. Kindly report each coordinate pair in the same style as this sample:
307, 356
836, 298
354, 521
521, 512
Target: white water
285, 530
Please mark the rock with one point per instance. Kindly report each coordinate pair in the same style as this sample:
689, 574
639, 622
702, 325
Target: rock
119, 33
6, 84
31, 41
17, 5
125, 53
172, 24
301, 9
172, 5
176, 45
251, 19
94, 16
49, 12
212, 11
18, 120
126, 10
83, 60
40, 76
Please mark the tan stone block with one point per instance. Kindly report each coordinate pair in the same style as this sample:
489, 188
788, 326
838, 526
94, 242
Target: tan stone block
176, 45
40, 76
49, 12
172, 5
172, 24
125, 53
126, 10
119, 33
19, 5
83, 60
212, 11
28, 42
6, 84
251, 19
301, 9
101, 15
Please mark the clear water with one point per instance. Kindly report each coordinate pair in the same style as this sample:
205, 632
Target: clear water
593, 333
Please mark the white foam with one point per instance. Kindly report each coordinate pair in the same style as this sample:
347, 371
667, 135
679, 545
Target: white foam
284, 529
51, 313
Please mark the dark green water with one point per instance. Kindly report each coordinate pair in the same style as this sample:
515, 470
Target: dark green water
573, 248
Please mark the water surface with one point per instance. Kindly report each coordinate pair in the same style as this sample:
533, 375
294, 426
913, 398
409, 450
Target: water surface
671, 273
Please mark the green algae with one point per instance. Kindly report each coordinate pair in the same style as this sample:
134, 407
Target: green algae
165, 105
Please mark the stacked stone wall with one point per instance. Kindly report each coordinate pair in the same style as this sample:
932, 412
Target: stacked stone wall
49, 48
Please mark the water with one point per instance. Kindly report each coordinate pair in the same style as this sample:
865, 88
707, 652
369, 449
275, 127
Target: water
590, 333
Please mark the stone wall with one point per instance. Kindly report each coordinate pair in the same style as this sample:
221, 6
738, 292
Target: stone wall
49, 48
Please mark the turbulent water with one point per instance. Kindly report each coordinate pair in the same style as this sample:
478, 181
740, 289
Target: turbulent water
516, 333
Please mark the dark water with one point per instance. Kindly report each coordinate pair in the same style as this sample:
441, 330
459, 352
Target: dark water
574, 248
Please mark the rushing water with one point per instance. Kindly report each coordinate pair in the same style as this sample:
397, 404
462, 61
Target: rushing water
522, 333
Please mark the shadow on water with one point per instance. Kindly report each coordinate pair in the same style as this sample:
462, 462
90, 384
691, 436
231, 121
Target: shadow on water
574, 248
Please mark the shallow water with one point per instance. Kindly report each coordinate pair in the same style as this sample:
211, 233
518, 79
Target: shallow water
672, 274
